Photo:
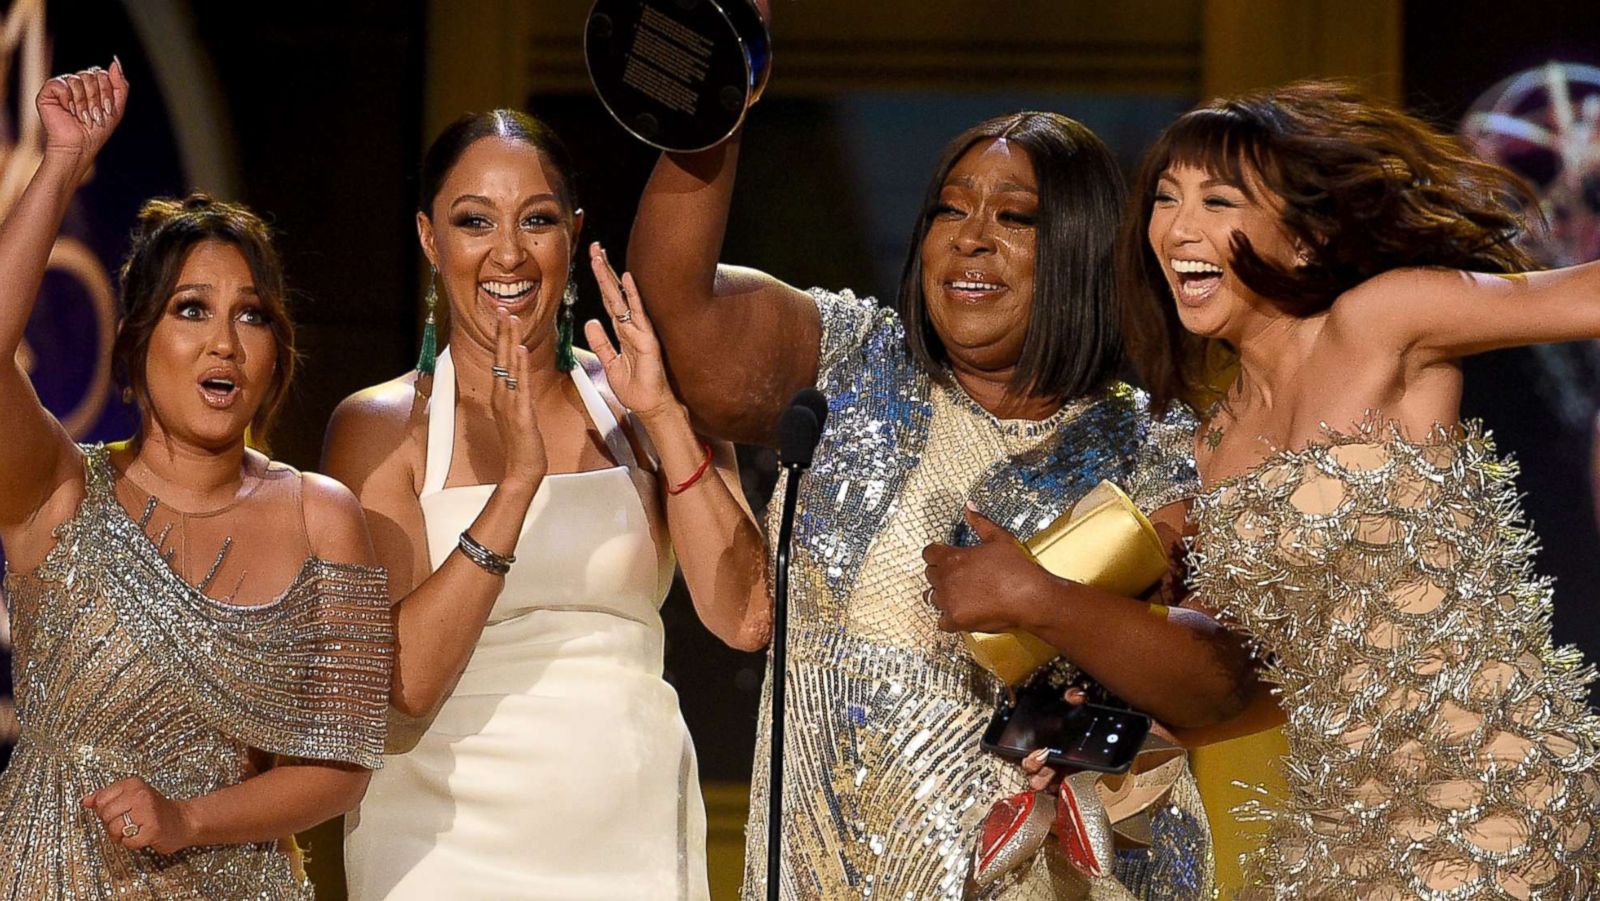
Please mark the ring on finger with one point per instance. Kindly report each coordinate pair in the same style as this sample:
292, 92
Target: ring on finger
129, 827
500, 372
511, 383
625, 316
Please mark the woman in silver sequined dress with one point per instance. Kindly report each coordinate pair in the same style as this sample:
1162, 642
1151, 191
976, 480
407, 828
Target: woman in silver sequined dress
1440, 746
991, 381
202, 648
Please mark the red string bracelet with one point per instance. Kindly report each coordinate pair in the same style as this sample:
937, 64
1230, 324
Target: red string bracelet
688, 483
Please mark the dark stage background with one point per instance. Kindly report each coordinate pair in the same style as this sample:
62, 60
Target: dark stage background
315, 114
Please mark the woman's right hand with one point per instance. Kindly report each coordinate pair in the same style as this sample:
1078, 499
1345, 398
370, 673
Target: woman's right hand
80, 111
511, 401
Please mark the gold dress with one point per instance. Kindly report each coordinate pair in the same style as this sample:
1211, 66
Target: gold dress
885, 785
1440, 746
124, 669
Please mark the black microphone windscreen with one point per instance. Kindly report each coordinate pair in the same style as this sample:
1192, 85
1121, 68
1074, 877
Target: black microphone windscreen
798, 431
816, 402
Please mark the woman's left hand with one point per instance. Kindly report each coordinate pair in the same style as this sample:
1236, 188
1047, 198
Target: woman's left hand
993, 587
636, 372
138, 816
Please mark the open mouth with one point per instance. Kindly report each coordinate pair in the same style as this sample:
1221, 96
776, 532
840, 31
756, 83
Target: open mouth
1197, 279
974, 286
507, 294
219, 390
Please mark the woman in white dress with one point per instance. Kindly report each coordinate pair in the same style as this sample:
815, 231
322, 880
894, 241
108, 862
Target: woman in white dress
528, 520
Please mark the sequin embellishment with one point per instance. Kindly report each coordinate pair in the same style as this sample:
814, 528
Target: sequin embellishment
124, 670
1440, 746
885, 785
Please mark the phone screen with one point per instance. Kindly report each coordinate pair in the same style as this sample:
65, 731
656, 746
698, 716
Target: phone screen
1087, 736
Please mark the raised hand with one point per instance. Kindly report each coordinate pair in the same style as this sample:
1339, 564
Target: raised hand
511, 402
137, 816
636, 372
79, 111
994, 587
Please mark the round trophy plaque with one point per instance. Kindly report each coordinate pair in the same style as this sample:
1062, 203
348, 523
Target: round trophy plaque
677, 74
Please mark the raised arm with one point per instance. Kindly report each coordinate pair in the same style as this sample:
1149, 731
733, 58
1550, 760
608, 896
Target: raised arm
78, 113
718, 543
440, 613
1443, 314
740, 342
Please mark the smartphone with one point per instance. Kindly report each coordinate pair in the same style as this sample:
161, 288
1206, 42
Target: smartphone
1088, 736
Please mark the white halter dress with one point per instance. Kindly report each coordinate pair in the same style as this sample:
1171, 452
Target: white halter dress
560, 766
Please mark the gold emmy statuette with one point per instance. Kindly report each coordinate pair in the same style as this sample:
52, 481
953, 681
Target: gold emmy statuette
1103, 541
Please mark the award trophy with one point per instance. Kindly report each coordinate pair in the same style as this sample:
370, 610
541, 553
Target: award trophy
677, 74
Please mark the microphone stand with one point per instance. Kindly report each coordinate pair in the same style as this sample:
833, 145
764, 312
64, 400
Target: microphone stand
780, 674
799, 429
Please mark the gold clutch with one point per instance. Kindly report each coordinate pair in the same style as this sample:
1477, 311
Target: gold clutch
1103, 541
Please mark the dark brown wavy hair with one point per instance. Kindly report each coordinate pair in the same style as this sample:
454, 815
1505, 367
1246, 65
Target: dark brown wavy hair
168, 229
1366, 188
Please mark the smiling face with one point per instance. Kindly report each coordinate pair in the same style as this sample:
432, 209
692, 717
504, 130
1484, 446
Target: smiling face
1194, 217
978, 257
501, 238
212, 357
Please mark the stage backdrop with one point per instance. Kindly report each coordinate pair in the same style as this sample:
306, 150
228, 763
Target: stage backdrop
66, 346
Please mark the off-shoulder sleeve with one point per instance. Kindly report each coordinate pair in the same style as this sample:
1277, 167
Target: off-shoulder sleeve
334, 680
1164, 470
848, 323
306, 675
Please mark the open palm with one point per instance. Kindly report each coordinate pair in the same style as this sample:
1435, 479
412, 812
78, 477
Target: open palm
635, 371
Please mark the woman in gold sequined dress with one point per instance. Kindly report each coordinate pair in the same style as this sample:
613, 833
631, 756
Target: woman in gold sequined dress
990, 381
201, 644
1372, 545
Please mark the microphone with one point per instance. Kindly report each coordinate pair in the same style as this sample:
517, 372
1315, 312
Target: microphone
800, 427
799, 430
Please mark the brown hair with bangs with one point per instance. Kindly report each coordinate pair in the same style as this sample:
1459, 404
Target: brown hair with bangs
168, 229
1365, 188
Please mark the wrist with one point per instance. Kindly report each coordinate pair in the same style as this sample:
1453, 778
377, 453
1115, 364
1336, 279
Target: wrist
189, 821
520, 486
667, 414
1047, 606
67, 159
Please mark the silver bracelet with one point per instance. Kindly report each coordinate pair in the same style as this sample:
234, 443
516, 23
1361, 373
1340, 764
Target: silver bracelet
487, 560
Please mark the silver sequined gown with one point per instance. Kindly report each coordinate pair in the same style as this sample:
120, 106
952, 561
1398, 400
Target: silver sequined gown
123, 669
884, 782
1440, 746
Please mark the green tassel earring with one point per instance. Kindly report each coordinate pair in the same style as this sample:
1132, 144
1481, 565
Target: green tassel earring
566, 359
429, 357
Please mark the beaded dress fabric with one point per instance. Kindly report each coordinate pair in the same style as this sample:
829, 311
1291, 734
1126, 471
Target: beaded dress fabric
1440, 746
885, 784
124, 668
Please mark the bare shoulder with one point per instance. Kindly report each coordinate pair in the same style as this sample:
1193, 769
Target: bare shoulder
335, 524
389, 407
374, 427
327, 499
1393, 294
